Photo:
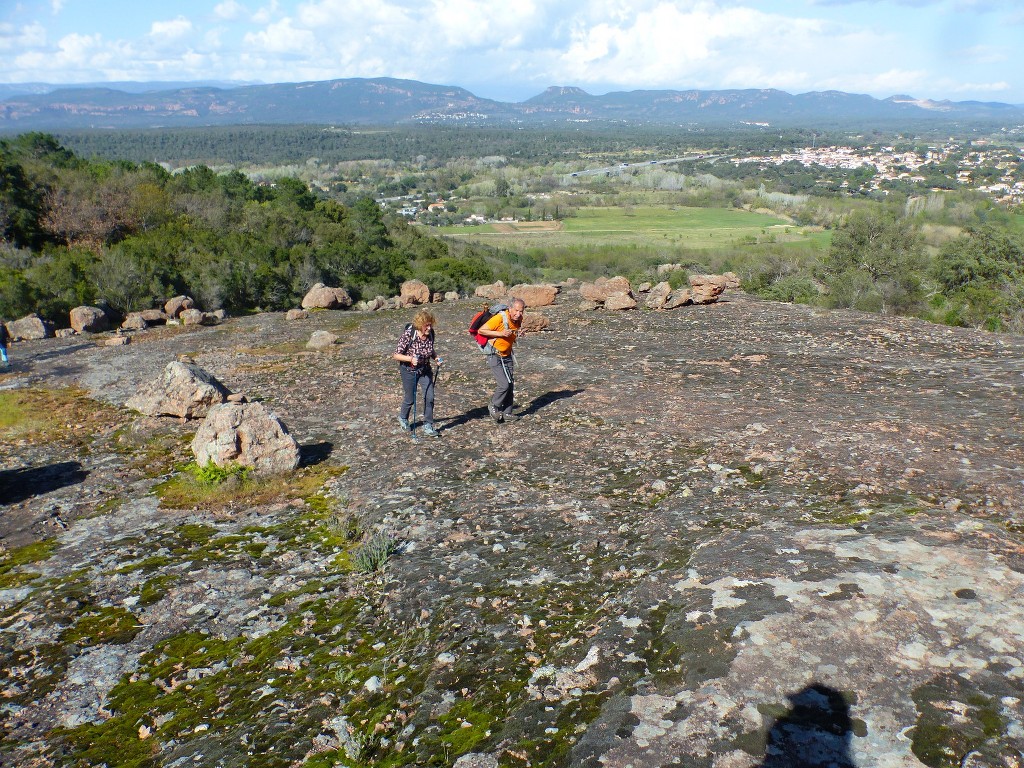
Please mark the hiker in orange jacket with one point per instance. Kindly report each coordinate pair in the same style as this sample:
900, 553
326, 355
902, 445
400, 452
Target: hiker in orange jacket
502, 330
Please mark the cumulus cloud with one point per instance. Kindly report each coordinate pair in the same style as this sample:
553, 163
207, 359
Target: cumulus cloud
666, 45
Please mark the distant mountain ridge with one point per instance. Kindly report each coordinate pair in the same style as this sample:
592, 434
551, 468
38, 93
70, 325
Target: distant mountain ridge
384, 101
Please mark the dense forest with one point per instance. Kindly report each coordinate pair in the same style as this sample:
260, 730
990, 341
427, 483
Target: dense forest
278, 145
87, 231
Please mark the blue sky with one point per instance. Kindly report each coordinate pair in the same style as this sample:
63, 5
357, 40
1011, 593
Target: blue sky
937, 49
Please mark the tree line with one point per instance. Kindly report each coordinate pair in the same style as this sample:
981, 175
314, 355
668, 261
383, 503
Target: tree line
79, 231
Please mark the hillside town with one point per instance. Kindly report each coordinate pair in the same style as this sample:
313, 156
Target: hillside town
998, 171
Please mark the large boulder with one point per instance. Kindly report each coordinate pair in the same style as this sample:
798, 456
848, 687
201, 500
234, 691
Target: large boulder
154, 316
177, 305
658, 295
29, 328
246, 434
492, 292
678, 298
620, 300
89, 320
184, 390
707, 288
539, 295
533, 322
322, 340
134, 322
414, 292
321, 296
198, 317
720, 281
603, 287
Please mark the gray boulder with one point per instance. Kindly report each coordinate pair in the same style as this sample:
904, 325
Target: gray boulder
246, 434
184, 390
29, 328
321, 340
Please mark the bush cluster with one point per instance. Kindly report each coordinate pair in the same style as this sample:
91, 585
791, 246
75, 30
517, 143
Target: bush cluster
128, 236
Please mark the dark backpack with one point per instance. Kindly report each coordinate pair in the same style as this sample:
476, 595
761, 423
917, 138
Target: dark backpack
482, 317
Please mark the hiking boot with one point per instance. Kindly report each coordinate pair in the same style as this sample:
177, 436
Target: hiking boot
429, 431
495, 413
403, 423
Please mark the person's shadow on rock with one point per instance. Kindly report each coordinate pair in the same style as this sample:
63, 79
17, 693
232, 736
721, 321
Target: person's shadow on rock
815, 733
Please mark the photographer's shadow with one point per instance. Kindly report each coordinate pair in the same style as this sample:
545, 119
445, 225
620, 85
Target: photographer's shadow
815, 733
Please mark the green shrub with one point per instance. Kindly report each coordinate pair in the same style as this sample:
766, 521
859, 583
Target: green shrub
374, 554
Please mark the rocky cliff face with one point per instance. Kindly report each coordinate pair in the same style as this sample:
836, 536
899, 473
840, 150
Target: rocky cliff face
744, 534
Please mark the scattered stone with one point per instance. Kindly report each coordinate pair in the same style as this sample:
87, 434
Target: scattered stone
184, 390
296, 314
247, 434
451, 296
64, 333
118, 341
321, 340
476, 760
588, 306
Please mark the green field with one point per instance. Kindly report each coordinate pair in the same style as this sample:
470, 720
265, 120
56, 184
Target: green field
690, 228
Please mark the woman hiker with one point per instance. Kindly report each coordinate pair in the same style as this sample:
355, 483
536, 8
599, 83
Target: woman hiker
414, 352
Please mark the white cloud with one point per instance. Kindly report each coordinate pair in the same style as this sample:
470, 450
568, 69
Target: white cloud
667, 46
267, 13
230, 10
282, 37
22, 39
170, 30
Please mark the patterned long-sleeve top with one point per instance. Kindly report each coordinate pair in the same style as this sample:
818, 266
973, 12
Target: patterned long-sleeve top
411, 343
